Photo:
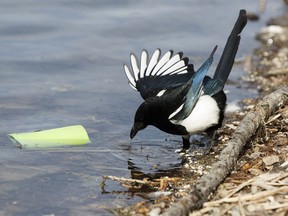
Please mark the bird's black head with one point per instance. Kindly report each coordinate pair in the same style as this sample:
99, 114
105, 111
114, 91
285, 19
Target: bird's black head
140, 119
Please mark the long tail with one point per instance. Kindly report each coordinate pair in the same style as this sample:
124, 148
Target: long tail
227, 59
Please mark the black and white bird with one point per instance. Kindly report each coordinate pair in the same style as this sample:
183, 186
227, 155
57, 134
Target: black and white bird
179, 100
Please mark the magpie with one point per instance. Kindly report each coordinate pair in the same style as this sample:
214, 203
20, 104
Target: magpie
177, 99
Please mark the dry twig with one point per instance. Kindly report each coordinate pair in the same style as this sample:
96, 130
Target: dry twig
161, 183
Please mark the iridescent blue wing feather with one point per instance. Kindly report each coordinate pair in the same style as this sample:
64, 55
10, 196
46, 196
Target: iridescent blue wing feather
195, 90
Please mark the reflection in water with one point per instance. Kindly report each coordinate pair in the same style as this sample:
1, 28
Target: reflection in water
173, 171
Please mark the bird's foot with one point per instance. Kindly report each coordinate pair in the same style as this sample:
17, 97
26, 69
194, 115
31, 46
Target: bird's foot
203, 145
181, 151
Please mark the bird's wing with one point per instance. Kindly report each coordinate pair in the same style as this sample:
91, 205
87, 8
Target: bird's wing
151, 77
194, 92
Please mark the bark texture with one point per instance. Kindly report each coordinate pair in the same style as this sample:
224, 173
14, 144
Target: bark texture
208, 183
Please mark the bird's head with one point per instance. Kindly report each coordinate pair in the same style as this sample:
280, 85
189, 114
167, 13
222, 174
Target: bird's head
141, 119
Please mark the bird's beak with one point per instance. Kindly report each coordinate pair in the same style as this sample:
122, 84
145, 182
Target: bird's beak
136, 127
133, 132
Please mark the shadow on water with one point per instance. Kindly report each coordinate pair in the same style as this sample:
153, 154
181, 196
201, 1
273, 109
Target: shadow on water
61, 64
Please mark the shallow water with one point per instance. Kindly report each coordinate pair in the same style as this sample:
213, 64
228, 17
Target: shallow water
61, 64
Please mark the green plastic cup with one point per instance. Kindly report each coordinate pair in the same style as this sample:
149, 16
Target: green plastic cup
64, 136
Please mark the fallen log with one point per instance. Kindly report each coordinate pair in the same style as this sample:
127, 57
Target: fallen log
209, 182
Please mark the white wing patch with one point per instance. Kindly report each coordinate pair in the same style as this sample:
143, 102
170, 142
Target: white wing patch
179, 66
156, 66
143, 63
130, 77
153, 61
176, 111
160, 93
169, 64
135, 67
162, 62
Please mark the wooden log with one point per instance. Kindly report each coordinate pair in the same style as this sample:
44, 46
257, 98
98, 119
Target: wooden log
209, 182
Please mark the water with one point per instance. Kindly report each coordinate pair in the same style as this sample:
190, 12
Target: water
61, 64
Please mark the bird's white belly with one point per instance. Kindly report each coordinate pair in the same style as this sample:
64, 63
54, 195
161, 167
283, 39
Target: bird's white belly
204, 115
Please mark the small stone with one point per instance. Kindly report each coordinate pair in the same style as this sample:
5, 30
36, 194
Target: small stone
270, 160
155, 212
284, 164
255, 172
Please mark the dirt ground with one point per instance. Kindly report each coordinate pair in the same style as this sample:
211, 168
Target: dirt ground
259, 183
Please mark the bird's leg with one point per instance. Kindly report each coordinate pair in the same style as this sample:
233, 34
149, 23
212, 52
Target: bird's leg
186, 142
211, 140
184, 153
